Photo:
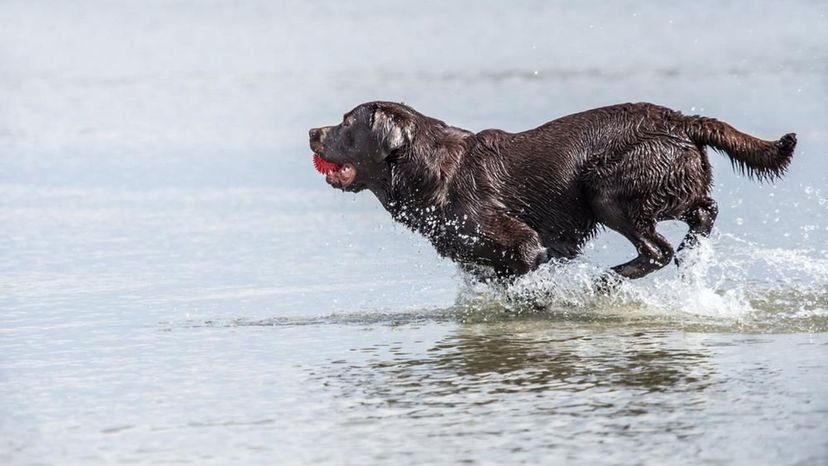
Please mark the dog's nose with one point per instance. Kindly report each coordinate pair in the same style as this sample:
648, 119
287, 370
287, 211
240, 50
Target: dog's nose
314, 133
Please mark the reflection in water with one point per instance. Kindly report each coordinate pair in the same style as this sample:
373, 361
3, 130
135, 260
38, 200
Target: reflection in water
532, 368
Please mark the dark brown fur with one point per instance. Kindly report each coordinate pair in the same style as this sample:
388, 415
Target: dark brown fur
514, 200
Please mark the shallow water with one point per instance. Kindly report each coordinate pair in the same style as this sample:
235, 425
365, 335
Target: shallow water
178, 286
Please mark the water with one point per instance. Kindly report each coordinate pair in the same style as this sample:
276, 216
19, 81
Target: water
178, 286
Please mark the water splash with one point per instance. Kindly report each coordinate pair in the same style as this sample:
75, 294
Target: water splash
724, 285
714, 287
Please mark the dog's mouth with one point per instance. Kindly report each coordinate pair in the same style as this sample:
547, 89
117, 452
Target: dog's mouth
338, 176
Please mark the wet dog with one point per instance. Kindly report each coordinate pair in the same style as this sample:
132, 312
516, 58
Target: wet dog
512, 201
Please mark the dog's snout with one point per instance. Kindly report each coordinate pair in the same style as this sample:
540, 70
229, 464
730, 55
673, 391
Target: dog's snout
318, 134
317, 139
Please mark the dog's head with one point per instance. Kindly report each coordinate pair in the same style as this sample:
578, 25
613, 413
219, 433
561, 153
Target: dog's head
359, 149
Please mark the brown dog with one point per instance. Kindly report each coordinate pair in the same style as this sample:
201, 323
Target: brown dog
514, 200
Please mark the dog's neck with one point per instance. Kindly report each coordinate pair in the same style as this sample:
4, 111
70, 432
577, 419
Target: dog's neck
416, 186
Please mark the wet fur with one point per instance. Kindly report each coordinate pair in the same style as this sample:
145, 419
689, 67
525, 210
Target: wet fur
515, 200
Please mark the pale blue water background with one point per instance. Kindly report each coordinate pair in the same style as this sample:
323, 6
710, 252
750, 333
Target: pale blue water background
177, 285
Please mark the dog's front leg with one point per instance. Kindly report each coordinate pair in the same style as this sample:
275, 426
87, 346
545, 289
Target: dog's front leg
513, 247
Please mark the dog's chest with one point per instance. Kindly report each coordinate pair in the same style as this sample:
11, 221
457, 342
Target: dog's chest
455, 236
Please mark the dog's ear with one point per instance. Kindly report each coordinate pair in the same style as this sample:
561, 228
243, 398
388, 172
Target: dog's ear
393, 129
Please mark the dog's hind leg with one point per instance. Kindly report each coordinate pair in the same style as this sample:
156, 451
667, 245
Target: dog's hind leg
700, 219
654, 252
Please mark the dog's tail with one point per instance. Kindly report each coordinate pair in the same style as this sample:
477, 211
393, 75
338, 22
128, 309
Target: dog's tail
765, 160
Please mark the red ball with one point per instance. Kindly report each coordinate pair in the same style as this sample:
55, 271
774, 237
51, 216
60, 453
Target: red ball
323, 166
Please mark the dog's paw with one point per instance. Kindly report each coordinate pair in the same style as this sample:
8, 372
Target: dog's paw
607, 283
542, 257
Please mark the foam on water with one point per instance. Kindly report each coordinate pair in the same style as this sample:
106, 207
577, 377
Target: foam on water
714, 290
713, 287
